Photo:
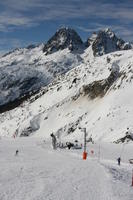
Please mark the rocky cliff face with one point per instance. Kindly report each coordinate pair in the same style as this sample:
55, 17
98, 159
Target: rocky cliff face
105, 41
63, 38
100, 87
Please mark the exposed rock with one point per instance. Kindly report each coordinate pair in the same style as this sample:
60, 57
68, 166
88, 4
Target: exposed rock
26, 132
126, 138
31, 46
99, 88
63, 38
105, 41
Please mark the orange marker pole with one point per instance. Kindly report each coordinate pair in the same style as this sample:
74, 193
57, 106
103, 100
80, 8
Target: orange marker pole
84, 153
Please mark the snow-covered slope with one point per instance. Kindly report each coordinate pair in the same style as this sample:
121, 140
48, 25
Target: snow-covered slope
96, 94
25, 71
38, 172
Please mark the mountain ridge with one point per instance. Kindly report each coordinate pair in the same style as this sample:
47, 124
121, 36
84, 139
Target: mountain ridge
81, 90
65, 103
25, 70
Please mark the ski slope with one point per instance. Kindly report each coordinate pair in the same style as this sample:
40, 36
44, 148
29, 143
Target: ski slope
40, 173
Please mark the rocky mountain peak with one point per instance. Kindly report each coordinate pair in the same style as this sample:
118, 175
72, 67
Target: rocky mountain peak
105, 41
63, 38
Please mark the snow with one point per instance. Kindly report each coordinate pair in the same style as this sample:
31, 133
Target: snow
63, 107
109, 32
27, 70
66, 107
38, 172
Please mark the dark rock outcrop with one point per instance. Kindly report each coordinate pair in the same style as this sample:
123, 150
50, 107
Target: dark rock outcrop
100, 87
126, 138
63, 38
105, 41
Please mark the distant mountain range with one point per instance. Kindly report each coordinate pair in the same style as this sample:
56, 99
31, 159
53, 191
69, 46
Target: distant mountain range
24, 71
66, 84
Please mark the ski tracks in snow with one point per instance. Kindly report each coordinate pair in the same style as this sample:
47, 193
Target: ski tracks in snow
43, 174
120, 179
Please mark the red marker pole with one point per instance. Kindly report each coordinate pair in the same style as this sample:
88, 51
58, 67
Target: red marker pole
84, 153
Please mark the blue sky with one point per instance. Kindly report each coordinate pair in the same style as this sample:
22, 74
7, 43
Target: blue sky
23, 22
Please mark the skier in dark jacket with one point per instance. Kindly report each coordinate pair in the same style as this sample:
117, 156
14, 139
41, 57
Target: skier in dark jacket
119, 161
53, 141
16, 152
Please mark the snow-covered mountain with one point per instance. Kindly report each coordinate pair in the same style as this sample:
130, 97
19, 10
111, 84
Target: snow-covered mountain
63, 38
73, 89
105, 41
96, 94
25, 71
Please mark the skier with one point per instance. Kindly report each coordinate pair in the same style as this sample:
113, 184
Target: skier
53, 141
16, 152
119, 161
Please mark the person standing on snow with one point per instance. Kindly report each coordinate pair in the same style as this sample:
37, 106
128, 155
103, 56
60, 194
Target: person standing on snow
119, 161
53, 141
